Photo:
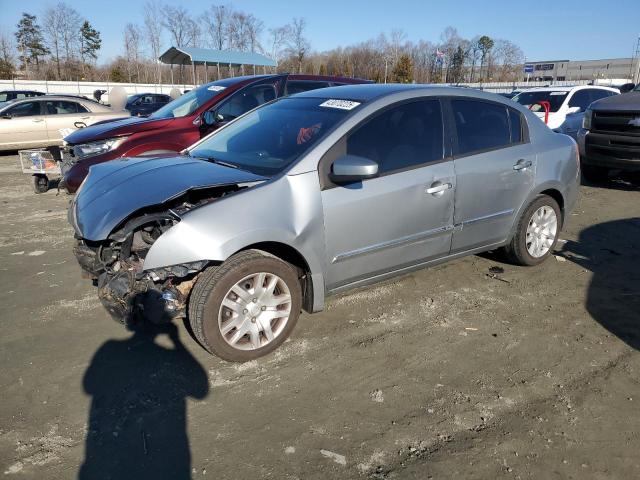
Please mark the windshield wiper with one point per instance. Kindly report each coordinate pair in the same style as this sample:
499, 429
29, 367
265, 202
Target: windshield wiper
220, 162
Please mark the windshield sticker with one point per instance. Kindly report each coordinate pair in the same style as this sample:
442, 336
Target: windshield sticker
341, 104
558, 93
216, 88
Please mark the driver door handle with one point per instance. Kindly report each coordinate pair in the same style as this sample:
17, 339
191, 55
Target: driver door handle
521, 165
38, 120
438, 188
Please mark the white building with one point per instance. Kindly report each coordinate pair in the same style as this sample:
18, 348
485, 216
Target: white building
571, 70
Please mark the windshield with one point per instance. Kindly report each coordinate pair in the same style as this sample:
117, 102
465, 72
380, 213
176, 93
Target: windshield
269, 139
189, 102
528, 99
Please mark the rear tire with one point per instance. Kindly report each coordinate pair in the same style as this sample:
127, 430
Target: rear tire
594, 174
536, 234
245, 326
40, 183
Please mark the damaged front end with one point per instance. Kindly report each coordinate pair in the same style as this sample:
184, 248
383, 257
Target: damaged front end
116, 265
123, 207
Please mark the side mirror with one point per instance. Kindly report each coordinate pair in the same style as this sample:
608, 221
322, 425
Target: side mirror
5, 115
627, 87
572, 110
352, 168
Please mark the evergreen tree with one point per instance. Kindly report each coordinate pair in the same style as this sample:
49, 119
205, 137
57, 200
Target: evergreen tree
457, 64
30, 41
485, 44
403, 71
90, 43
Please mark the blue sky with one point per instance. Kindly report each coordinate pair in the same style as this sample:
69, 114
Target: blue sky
545, 30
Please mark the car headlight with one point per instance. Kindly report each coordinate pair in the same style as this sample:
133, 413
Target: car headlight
96, 148
586, 120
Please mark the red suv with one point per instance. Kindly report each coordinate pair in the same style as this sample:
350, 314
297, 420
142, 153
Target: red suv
182, 122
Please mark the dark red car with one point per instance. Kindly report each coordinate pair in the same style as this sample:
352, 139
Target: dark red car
182, 122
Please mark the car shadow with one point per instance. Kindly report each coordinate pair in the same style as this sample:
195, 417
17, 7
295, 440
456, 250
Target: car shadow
137, 425
611, 251
625, 181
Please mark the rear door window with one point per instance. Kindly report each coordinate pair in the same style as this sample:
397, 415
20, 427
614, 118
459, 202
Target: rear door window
480, 126
297, 86
516, 125
581, 99
62, 107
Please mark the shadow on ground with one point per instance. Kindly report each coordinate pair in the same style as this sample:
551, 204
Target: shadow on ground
611, 251
617, 180
137, 424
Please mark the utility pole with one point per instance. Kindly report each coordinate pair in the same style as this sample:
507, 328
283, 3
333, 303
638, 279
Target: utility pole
636, 56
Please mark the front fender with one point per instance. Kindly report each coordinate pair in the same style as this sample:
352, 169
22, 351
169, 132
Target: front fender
287, 210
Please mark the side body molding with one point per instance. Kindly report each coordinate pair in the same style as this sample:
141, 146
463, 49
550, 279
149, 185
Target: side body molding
286, 210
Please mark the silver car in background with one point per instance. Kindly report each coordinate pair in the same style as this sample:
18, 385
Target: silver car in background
39, 122
316, 194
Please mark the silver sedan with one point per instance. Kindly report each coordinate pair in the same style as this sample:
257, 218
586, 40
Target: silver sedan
316, 194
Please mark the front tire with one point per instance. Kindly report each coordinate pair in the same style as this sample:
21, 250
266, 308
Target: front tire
40, 183
537, 232
246, 307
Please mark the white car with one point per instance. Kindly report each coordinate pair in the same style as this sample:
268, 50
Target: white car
566, 105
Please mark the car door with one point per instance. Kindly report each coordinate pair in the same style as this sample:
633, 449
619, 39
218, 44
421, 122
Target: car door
64, 115
495, 170
23, 126
404, 216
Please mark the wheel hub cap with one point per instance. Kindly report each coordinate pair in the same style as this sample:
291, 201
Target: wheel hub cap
541, 231
255, 311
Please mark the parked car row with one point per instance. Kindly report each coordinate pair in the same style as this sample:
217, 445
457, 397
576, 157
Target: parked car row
182, 122
253, 207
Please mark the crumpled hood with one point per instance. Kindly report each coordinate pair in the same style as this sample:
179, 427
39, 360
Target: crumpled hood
115, 128
627, 102
114, 190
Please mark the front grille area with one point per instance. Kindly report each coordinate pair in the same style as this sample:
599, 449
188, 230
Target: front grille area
620, 123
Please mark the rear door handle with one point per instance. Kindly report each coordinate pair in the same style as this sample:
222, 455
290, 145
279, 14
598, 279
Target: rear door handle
521, 165
438, 188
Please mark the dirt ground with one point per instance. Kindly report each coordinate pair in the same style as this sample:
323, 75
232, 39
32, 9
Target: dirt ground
457, 371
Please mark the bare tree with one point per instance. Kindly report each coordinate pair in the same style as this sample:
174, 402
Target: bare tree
278, 38
215, 23
6, 56
298, 44
153, 32
398, 36
180, 25
53, 24
132, 37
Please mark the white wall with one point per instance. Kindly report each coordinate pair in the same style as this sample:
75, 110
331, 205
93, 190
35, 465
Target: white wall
86, 88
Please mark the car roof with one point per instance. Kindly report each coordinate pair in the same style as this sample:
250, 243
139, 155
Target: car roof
21, 91
369, 91
567, 89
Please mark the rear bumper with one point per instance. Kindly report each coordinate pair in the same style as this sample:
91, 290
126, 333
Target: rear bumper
610, 151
